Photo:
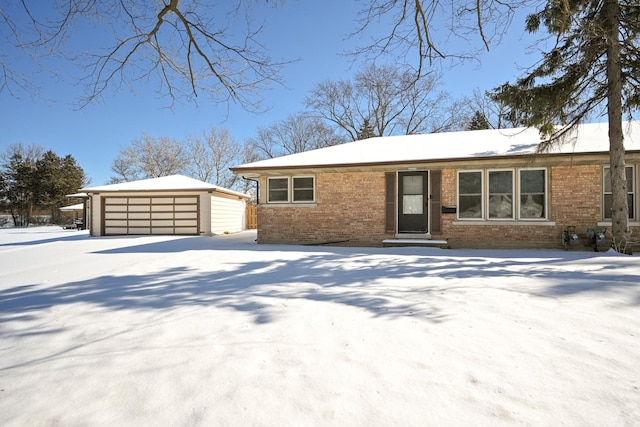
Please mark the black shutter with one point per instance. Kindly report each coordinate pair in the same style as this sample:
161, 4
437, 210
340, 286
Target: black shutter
390, 202
436, 203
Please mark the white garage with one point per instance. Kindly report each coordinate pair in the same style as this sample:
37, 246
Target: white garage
173, 204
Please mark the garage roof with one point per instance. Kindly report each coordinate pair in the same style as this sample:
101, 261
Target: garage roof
77, 207
165, 183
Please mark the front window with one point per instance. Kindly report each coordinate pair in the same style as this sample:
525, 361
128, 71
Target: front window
608, 195
278, 189
501, 194
532, 193
505, 194
303, 189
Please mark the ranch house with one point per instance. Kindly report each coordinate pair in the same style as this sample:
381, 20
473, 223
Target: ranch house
474, 189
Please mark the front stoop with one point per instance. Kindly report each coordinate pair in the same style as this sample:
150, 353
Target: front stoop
427, 243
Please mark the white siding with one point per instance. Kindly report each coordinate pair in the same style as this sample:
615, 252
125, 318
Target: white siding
227, 214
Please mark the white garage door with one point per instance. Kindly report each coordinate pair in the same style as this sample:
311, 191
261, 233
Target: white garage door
151, 215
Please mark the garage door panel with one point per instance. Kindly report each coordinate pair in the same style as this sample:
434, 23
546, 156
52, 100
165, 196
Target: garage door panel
162, 215
116, 208
162, 201
186, 215
139, 201
151, 215
139, 215
185, 223
115, 201
115, 230
115, 215
187, 201
141, 208
139, 230
116, 223
187, 230
184, 208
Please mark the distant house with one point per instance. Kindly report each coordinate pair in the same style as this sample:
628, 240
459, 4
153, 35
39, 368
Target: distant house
485, 188
168, 205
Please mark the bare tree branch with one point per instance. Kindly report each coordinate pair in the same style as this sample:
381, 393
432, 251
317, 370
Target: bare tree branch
388, 99
423, 31
190, 48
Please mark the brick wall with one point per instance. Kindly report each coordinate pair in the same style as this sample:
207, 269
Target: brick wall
350, 209
575, 198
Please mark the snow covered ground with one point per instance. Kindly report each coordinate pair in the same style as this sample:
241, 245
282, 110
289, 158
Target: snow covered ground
185, 331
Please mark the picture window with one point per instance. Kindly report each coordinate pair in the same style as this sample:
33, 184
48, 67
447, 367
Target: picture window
502, 194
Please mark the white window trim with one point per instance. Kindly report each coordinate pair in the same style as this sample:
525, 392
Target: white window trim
513, 195
515, 219
546, 195
313, 188
279, 202
634, 178
290, 193
482, 204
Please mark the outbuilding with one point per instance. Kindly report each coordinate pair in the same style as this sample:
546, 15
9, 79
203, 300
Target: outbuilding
484, 188
167, 205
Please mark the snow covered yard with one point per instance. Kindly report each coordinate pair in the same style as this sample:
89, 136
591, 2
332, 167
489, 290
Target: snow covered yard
183, 331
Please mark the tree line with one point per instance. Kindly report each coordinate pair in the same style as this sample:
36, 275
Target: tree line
34, 181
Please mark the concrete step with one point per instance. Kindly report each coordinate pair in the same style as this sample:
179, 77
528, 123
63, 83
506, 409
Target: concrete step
429, 243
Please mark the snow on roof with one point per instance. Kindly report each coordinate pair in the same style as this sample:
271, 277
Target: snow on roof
451, 145
165, 183
77, 196
77, 207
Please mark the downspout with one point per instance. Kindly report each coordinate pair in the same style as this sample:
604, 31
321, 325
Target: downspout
257, 188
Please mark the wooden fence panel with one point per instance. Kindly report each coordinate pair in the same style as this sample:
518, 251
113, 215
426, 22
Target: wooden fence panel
252, 217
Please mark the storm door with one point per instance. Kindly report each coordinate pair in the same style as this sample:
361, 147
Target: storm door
413, 199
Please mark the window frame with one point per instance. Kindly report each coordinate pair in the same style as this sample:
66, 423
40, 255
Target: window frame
276, 178
545, 195
482, 201
290, 190
513, 196
313, 188
516, 179
633, 193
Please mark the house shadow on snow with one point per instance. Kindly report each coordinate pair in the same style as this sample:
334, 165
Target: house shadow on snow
254, 287
367, 280
70, 235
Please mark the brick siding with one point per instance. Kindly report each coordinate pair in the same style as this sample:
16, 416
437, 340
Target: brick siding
350, 210
349, 207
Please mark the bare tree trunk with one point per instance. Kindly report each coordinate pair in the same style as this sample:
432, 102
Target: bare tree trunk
620, 208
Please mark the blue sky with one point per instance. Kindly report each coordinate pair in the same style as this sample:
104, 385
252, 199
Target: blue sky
313, 32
